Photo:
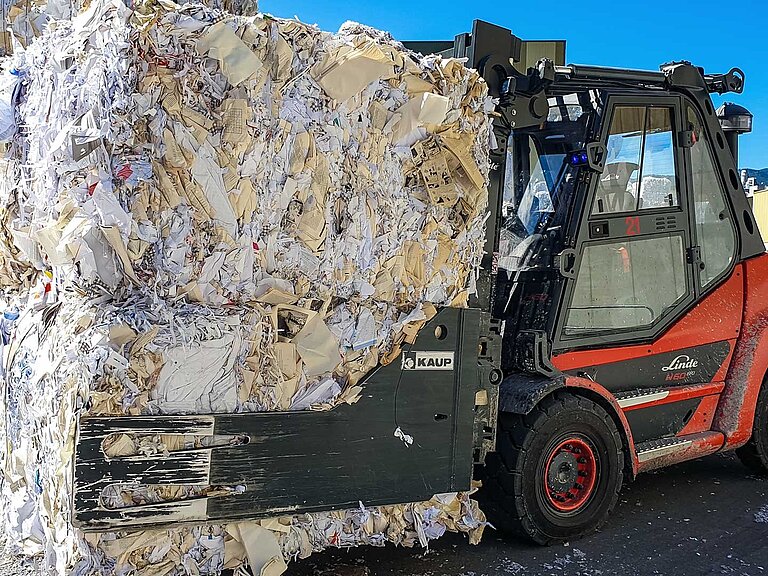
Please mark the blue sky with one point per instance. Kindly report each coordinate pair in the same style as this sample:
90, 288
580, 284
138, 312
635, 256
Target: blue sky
631, 34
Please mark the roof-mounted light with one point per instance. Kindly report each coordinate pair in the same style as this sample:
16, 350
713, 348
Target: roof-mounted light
734, 118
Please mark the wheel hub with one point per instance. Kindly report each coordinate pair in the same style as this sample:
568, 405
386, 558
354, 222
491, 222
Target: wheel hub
570, 475
562, 471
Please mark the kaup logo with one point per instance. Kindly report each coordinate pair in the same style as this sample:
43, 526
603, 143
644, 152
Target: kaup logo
427, 361
682, 362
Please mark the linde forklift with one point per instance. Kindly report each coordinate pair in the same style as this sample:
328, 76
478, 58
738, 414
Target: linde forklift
619, 326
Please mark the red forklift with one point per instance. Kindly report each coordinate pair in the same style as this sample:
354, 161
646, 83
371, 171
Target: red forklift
619, 326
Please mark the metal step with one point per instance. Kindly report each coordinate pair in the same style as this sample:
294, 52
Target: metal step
663, 446
637, 397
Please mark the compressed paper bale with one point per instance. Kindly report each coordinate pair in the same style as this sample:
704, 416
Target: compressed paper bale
38, 489
325, 194
200, 174
319, 226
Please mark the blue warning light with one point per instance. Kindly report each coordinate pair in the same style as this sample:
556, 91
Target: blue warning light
578, 158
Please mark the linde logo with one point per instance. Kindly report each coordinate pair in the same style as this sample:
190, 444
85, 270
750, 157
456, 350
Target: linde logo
682, 362
427, 360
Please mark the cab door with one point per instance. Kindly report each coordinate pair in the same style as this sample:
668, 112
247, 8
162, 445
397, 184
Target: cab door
635, 316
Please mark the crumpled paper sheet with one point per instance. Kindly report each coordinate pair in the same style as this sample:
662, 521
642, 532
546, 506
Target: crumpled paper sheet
287, 205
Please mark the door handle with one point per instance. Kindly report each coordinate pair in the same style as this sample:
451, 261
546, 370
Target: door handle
567, 263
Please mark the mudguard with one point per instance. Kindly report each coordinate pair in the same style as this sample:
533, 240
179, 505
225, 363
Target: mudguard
521, 391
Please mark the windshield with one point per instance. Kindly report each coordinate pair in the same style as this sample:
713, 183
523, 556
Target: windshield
538, 179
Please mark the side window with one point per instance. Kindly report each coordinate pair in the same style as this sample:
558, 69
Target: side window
640, 168
714, 230
658, 185
630, 283
615, 190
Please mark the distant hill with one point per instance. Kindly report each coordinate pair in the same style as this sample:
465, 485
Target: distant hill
761, 175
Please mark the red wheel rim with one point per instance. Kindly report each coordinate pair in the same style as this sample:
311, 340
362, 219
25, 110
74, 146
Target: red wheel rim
570, 475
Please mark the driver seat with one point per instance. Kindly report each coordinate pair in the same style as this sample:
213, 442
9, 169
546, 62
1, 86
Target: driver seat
612, 194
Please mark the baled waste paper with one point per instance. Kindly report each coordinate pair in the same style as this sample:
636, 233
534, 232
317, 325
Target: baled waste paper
208, 212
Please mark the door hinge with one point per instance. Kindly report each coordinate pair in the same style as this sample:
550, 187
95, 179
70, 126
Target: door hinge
693, 255
685, 137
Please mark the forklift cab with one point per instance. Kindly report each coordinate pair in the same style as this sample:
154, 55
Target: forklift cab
592, 253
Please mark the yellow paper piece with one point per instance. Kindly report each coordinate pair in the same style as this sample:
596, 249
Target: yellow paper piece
461, 148
167, 187
121, 334
414, 262
276, 296
299, 152
265, 556
284, 54
277, 525
421, 110
318, 347
246, 390
194, 118
385, 286
349, 70
416, 85
312, 228
234, 115
118, 445
351, 395
112, 234
287, 359
238, 62
286, 390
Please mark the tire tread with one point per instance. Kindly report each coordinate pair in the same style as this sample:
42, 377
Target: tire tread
754, 454
506, 509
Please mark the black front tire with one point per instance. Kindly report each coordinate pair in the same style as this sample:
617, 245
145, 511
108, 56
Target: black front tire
515, 476
754, 454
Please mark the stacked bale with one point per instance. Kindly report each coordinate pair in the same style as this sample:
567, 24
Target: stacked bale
215, 213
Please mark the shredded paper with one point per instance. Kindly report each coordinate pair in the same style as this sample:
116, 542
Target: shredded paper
209, 210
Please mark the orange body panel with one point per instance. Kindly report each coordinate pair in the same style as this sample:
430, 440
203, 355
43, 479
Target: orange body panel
736, 410
701, 421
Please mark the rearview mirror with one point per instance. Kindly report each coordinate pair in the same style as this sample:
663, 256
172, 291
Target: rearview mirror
596, 155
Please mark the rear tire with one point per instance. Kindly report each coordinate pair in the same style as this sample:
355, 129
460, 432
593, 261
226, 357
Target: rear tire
557, 472
754, 454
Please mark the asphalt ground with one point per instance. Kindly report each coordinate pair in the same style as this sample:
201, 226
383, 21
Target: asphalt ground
708, 516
